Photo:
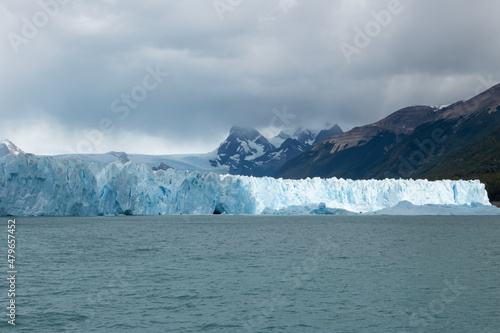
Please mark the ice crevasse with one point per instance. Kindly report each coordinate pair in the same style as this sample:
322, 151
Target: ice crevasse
31, 185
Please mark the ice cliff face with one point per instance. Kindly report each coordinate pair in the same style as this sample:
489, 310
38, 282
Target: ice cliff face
46, 186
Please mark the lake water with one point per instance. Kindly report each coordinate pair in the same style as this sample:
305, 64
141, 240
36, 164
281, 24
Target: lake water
255, 274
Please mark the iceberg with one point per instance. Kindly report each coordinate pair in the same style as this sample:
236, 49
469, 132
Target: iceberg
31, 185
407, 208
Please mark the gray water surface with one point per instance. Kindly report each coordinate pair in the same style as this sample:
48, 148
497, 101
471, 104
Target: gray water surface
255, 274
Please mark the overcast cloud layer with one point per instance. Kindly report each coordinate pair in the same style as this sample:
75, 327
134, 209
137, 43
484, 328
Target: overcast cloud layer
90, 76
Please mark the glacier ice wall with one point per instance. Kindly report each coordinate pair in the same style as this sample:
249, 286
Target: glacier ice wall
46, 186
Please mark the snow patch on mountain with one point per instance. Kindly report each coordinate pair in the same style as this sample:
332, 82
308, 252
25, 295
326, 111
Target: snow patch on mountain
7, 147
244, 152
258, 150
247, 152
305, 137
241, 148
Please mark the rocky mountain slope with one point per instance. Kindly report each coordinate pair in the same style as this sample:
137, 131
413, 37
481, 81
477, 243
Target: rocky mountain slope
248, 152
7, 147
409, 143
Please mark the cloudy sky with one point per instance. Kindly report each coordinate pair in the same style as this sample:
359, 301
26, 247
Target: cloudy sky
165, 76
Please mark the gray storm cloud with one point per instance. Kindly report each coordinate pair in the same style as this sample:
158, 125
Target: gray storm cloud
77, 69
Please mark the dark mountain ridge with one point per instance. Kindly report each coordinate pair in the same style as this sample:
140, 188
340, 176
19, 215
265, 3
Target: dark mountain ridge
411, 143
247, 152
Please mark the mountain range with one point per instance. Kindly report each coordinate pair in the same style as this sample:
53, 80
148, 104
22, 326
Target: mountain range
247, 152
244, 152
458, 141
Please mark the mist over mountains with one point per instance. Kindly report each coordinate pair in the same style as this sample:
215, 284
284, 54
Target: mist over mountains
245, 151
415, 142
458, 141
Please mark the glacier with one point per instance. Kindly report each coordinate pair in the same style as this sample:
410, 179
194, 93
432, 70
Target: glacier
45, 186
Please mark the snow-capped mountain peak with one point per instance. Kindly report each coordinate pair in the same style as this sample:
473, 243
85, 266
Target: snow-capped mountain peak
244, 132
303, 136
306, 137
7, 147
247, 152
242, 146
